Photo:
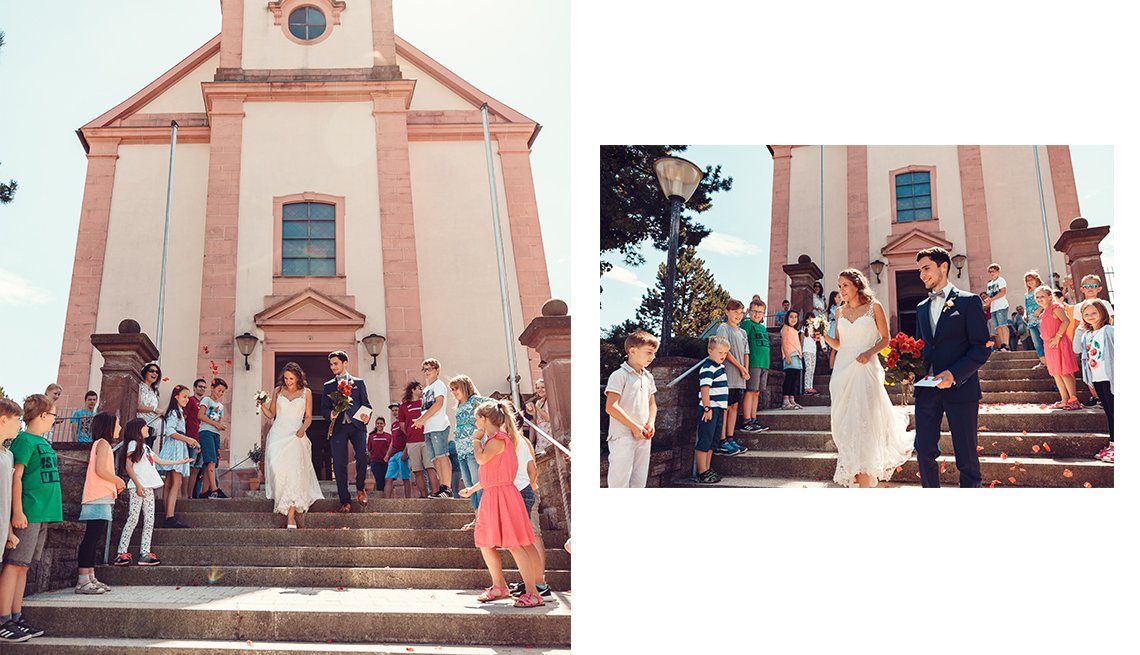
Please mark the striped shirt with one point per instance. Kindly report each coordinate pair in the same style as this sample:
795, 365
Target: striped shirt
714, 377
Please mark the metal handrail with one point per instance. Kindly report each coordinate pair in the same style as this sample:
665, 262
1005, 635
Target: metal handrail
564, 449
681, 376
230, 470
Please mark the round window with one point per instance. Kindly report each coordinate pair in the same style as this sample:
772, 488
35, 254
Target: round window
307, 23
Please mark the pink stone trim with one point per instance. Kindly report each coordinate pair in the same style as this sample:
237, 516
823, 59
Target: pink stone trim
900, 253
333, 285
975, 215
325, 91
858, 223
233, 22
1064, 185
87, 273
281, 9
383, 34
781, 210
929, 225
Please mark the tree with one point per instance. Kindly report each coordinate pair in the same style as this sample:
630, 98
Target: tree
634, 209
697, 300
7, 191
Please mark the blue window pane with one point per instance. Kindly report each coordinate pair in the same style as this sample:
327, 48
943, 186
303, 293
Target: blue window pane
294, 248
294, 229
906, 203
322, 229
322, 267
906, 215
923, 214
902, 179
923, 177
322, 211
922, 201
922, 189
296, 210
294, 267
321, 249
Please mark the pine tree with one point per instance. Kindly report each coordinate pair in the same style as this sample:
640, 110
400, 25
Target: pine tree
697, 298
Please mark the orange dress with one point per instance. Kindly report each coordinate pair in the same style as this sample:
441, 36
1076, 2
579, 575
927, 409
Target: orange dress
502, 519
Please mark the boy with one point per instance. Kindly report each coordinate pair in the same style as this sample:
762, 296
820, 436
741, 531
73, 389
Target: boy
9, 427
398, 468
36, 501
436, 426
738, 374
192, 484
783, 312
210, 414
759, 358
631, 404
998, 305
714, 403
82, 417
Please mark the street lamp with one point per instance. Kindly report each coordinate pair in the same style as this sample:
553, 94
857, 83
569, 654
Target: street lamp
877, 268
679, 179
245, 345
959, 261
373, 343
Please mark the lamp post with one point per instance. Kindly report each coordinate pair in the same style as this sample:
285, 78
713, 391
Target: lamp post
959, 261
245, 345
373, 343
877, 269
679, 179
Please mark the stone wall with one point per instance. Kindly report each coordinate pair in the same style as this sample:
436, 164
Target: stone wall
553, 477
58, 566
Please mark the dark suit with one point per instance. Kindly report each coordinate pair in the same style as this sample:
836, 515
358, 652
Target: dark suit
347, 429
958, 345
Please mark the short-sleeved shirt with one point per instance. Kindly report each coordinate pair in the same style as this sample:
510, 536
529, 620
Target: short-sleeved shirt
192, 420
399, 440
465, 425
408, 412
634, 390
43, 498
1094, 351
144, 469
525, 453
712, 375
993, 287
82, 419
378, 443
5, 491
738, 347
439, 420
214, 411
759, 352
148, 397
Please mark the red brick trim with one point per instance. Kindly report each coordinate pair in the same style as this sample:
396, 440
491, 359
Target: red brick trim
858, 222
1064, 186
781, 209
233, 21
975, 216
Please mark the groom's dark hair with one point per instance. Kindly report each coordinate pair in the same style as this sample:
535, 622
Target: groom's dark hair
340, 354
938, 255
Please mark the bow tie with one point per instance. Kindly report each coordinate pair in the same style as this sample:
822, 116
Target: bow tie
938, 294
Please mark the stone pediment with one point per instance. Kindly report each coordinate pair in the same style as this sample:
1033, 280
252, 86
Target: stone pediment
306, 310
916, 239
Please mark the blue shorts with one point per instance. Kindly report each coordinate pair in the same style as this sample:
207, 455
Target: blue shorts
708, 432
437, 443
210, 443
1000, 317
398, 467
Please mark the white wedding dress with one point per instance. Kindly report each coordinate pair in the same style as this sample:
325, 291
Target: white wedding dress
869, 433
289, 475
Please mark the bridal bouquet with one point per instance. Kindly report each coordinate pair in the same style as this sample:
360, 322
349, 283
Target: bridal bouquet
902, 359
260, 397
341, 400
818, 325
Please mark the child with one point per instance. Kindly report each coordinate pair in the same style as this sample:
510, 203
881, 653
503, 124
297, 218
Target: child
783, 312
759, 359
1090, 287
631, 404
82, 417
1098, 345
100, 489
998, 305
526, 481
37, 500
436, 426
175, 446
53, 392
467, 399
138, 460
1033, 315
808, 340
9, 427
714, 403
738, 375
415, 453
397, 462
1058, 349
379, 442
502, 521
210, 415
793, 360
192, 485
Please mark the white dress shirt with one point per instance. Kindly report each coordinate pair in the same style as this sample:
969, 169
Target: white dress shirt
936, 305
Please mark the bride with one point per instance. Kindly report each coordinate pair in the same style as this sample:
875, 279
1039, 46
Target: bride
290, 479
869, 433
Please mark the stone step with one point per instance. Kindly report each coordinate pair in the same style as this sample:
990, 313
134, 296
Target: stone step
1013, 355
1013, 444
1041, 384
298, 614
1049, 396
210, 537
749, 482
317, 520
281, 576
115, 646
375, 505
1014, 374
1010, 364
343, 556
996, 418
1039, 472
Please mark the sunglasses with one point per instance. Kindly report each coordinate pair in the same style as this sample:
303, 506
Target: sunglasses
1090, 286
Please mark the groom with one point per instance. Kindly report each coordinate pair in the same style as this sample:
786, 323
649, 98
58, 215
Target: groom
345, 429
952, 324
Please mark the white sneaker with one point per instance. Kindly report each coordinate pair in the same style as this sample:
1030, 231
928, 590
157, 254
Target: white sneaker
90, 589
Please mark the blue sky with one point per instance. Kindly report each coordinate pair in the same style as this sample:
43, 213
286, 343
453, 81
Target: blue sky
737, 250
93, 58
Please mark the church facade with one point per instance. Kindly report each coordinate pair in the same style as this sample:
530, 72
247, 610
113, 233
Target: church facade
885, 203
330, 183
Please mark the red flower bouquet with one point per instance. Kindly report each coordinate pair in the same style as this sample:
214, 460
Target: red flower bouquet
341, 400
902, 359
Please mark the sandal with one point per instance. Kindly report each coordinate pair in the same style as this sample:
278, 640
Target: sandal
493, 593
469, 526
529, 600
1060, 404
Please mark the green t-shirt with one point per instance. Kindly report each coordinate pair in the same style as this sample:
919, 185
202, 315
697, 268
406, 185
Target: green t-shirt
758, 351
43, 498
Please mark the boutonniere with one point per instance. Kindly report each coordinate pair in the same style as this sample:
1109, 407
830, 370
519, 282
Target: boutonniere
949, 304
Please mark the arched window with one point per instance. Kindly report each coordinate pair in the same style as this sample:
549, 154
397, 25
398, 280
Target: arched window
308, 239
913, 197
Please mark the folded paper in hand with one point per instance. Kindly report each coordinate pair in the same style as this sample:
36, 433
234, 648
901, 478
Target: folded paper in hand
928, 381
364, 414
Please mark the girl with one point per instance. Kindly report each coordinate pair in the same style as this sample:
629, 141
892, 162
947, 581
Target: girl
1058, 349
100, 489
808, 339
538, 407
502, 520
1098, 343
138, 460
793, 359
175, 446
467, 398
148, 399
1090, 287
832, 310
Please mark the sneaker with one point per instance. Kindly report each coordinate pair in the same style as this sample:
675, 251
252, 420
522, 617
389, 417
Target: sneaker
737, 445
811, 392
31, 630
124, 559
761, 428
218, 493
723, 448
1093, 401
748, 425
90, 589
1110, 456
12, 633
173, 523
150, 559
519, 588
708, 477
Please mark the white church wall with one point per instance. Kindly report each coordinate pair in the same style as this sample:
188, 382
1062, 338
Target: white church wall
265, 46
430, 93
184, 96
133, 260
455, 247
804, 218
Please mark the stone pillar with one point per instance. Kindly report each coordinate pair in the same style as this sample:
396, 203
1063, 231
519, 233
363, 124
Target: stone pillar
124, 355
803, 275
549, 335
1081, 246
677, 415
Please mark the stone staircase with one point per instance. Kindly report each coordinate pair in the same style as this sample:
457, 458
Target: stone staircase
1021, 443
400, 577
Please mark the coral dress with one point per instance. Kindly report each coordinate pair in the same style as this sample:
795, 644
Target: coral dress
1060, 360
502, 520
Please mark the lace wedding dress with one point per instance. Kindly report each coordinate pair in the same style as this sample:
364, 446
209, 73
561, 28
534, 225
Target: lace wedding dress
869, 433
289, 475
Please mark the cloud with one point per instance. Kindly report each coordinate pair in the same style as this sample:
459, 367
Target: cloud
15, 290
625, 276
728, 245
